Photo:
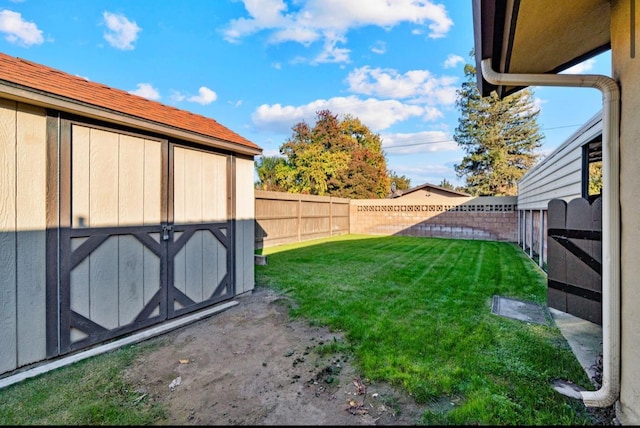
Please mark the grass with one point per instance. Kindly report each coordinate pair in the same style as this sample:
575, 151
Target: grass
89, 392
416, 312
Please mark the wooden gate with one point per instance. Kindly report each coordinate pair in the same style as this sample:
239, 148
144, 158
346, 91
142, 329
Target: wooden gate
146, 234
574, 258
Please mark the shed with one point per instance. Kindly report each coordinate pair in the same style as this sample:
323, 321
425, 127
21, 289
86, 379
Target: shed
117, 214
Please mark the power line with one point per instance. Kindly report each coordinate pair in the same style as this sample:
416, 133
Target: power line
450, 140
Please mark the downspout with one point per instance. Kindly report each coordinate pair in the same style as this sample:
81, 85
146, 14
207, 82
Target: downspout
609, 391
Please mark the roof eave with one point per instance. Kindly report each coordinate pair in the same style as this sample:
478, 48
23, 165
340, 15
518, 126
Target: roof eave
495, 24
67, 105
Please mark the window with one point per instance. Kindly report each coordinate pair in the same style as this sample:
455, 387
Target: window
592, 169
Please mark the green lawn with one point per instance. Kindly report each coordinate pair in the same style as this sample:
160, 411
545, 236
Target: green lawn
416, 312
88, 392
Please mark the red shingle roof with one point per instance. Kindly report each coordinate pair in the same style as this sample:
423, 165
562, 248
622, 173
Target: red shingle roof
56, 82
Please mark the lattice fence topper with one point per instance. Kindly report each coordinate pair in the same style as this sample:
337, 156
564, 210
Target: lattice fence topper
439, 208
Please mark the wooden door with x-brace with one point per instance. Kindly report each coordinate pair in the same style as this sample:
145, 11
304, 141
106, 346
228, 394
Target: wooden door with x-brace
145, 233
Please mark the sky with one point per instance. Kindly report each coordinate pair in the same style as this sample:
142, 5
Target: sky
259, 67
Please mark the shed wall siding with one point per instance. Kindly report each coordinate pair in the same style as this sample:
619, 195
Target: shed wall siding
245, 228
22, 234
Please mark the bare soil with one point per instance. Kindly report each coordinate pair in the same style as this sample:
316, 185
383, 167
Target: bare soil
253, 365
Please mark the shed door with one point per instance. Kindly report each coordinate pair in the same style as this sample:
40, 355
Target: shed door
147, 238
200, 236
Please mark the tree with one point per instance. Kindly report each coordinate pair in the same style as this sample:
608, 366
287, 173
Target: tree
499, 136
402, 182
336, 157
366, 173
445, 184
595, 178
267, 170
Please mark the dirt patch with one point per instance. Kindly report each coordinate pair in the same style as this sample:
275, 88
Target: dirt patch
252, 365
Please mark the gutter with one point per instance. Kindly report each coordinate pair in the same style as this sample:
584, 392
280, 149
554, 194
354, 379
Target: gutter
609, 392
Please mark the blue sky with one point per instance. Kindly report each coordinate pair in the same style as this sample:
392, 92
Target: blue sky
260, 66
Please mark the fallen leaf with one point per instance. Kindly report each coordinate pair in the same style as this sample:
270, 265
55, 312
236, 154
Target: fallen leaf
360, 387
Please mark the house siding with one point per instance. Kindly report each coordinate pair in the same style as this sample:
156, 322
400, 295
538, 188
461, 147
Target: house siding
559, 175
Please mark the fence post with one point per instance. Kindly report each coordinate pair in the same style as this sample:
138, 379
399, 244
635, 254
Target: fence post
299, 218
531, 234
330, 216
518, 228
541, 234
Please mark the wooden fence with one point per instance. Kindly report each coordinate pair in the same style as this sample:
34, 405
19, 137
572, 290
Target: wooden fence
575, 258
282, 218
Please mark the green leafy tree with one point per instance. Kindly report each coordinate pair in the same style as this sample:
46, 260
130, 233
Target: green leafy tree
402, 182
366, 173
334, 157
595, 178
499, 136
267, 170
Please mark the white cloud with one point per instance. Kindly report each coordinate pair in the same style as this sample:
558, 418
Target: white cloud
332, 53
205, 96
19, 31
581, 68
375, 114
121, 33
424, 173
329, 21
452, 61
379, 47
418, 142
419, 85
177, 96
147, 91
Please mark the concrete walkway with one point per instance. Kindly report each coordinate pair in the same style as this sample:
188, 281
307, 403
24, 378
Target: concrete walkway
584, 337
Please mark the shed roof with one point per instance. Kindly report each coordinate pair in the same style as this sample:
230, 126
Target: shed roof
22, 74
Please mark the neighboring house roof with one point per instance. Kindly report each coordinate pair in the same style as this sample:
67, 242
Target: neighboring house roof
427, 187
56, 83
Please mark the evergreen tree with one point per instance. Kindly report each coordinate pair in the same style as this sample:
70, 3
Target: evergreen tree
445, 184
499, 136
